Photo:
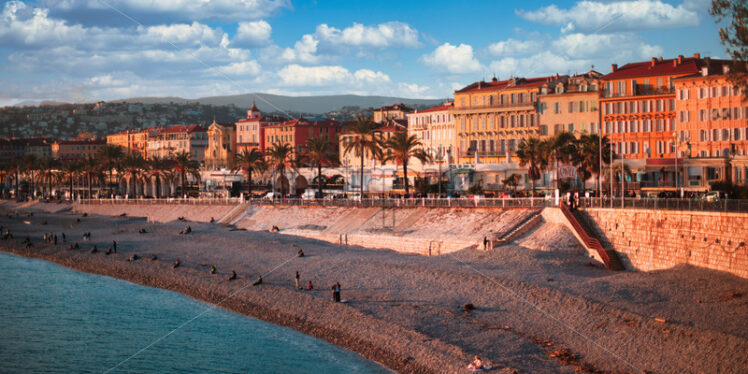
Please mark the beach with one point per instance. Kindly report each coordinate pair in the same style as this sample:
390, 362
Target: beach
533, 310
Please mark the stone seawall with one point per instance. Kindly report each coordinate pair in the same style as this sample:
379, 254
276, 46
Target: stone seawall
660, 239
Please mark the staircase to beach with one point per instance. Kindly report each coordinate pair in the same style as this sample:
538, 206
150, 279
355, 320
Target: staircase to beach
585, 234
524, 225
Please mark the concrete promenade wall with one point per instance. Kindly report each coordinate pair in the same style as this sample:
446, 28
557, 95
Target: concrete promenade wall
423, 231
660, 239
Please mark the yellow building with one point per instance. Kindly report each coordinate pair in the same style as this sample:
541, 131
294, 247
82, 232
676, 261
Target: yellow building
570, 104
435, 129
395, 111
221, 146
132, 140
492, 117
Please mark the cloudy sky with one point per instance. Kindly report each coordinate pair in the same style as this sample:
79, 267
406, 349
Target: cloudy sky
83, 50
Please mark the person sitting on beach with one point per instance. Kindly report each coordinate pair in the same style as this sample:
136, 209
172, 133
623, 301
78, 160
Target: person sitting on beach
133, 258
94, 249
212, 220
75, 245
181, 218
300, 253
109, 251
176, 264
212, 269
309, 286
85, 214
477, 364
142, 231
233, 275
274, 229
71, 247
258, 281
154, 258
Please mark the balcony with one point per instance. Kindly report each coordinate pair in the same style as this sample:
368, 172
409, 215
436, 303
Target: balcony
528, 105
641, 90
495, 153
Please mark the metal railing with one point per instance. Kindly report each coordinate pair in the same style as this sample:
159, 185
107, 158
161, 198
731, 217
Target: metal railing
364, 203
723, 205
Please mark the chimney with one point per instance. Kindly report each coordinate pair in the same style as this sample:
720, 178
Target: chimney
680, 59
660, 59
705, 71
725, 68
696, 56
654, 62
613, 68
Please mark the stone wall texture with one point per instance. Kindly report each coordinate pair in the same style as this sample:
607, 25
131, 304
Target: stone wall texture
660, 239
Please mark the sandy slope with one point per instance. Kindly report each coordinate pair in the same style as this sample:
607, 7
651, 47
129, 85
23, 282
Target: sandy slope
536, 311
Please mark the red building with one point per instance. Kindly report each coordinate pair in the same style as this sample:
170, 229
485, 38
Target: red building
297, 131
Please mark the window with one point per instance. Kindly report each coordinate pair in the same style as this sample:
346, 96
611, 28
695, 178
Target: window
571, 127
715, 134
557, 108
571, 107
503, 122
725, 134
702, 115
543, 130
462, 123
621, 88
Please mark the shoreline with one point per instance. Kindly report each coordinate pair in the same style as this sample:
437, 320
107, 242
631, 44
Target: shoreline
387, 358
539, 311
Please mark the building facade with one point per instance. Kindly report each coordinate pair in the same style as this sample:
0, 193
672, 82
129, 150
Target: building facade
297, 131
250, 131
570, 104
395, 111
712, 128
167, 142
76, 149
132, 140
221, 146
435, 129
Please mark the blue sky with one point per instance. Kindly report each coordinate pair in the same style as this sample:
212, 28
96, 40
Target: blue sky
86, 50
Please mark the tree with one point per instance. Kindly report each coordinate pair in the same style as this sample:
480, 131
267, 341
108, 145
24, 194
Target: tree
71, 169
30, 165
560, 148
47, 169
134, 167
110, 156
734, 36
511, 181
184, 165
589, 149
91, 168
248, 162
531, 153
318, 153
363, 140
157, 169
402, 148
279, 157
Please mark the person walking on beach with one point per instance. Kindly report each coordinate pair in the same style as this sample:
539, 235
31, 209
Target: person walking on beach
336, 292
114, 246
258, 281
55, 239
485, 243
298, 285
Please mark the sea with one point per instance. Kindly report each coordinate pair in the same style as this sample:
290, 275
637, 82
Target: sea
57, 320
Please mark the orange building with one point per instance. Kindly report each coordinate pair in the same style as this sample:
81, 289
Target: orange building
76, 149
712, 126
638, 116
132, 140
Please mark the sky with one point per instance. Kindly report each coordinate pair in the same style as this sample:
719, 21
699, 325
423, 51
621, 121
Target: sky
91, 50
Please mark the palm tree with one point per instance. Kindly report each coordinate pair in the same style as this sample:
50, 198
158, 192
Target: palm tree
91, 168
512, 181
560, 148
402, 148
248, 162
30, 164
47, 168
531, 153
318, 153
156, 168
362, 131
133, 167
110, 156
71, 169
185, 165
279, 157
589, 149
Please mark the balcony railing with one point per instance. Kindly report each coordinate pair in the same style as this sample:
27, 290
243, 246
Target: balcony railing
496, 153
641, 90
528, 104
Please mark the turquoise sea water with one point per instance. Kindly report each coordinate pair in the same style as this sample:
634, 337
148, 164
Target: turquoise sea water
55, 320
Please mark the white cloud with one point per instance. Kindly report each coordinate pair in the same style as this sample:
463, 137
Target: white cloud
22, 26
170, 10
614, 16
512, 46
305, 51
252, 34
539, 64
618, 46
181, 34
327, 75
412, 90
453, 59
237, 68
384, 35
